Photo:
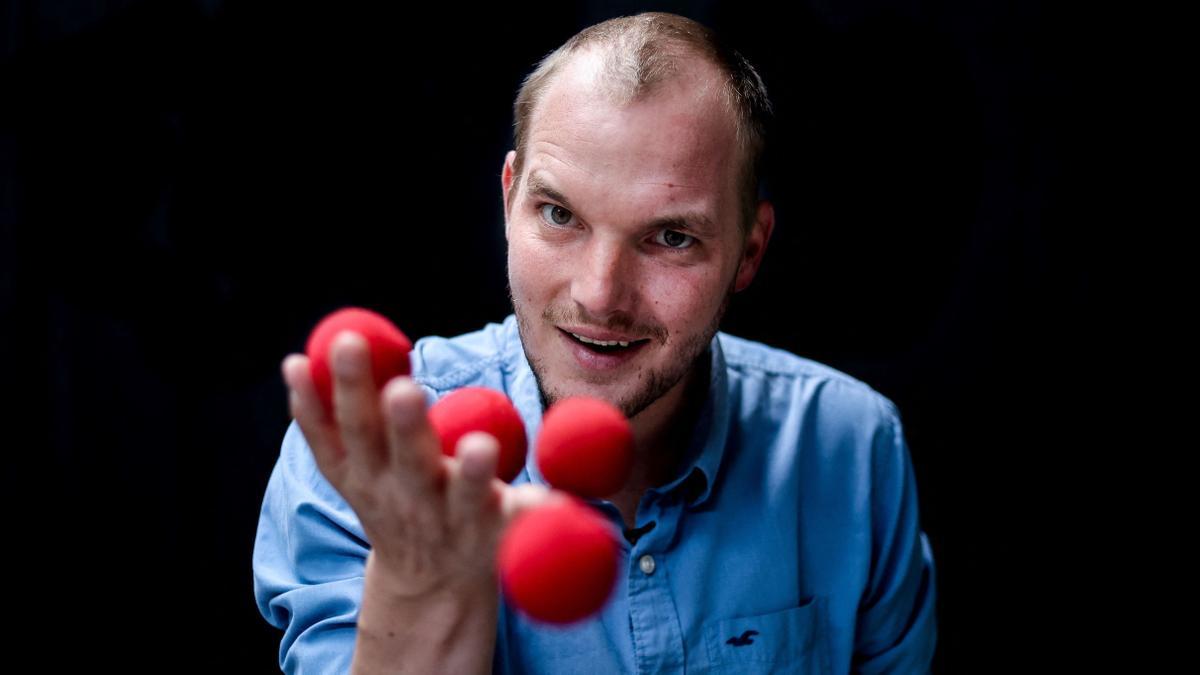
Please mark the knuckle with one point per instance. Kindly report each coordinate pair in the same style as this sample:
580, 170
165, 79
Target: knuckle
355, 426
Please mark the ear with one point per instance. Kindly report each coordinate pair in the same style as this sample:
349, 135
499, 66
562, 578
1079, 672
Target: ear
755, 245
506, 181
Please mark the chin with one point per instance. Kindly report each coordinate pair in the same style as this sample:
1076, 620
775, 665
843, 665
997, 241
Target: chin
631, 387
630, 392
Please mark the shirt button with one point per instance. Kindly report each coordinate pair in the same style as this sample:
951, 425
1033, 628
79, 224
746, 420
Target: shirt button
646, 563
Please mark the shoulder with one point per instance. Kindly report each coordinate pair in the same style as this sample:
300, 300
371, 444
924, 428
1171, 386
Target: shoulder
791, 384
445, 363
807, 424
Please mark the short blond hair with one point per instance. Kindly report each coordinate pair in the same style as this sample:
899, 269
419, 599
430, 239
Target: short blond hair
640, 52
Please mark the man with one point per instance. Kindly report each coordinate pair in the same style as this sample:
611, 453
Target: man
771, 521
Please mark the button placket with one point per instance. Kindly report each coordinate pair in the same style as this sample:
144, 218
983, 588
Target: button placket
654, 621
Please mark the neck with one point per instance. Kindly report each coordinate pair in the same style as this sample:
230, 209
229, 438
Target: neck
661, 432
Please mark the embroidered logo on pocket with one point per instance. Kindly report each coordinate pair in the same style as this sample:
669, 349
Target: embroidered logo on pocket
791, 640
746, 638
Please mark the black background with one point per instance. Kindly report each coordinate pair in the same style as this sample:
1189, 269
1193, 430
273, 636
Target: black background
186, 187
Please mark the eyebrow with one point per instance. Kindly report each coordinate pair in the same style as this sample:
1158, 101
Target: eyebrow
695, 221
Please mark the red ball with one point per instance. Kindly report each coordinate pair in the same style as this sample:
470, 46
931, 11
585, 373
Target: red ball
389, 348
558, 562
481, 409
585, 447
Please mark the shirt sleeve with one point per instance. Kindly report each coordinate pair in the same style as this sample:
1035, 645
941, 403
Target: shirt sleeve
897, 624
309, 559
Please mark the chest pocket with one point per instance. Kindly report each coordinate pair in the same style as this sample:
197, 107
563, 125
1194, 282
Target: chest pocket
792, 640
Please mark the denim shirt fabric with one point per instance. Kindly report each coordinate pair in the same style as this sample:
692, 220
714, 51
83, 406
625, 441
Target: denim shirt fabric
789, 542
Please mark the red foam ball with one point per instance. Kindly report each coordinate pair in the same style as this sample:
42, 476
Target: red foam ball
388, 346
481, 409
585, 447
558, 562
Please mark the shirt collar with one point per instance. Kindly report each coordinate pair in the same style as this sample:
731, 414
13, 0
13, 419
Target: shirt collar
706, 448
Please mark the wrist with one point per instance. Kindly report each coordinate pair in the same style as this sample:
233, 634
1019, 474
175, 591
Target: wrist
448, 629
438, 607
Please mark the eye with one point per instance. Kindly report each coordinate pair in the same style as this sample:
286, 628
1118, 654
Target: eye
555, 215
675, 239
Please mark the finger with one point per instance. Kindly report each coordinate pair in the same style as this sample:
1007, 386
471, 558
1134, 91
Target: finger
470, 483
356, 402
413, 446
518, 499
319, 430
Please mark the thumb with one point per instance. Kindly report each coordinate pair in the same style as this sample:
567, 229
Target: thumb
521, 498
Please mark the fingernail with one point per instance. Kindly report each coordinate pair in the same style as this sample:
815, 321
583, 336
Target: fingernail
287, 365
403, 405
348, 357
473, 467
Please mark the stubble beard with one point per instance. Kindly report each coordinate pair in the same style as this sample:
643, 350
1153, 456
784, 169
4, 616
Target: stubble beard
692, 352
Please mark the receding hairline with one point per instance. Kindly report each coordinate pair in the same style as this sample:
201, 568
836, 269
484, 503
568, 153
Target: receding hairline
705, 75
638, 53
618, 81
590, 61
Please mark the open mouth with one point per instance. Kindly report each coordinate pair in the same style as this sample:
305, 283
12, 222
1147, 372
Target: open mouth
602, 347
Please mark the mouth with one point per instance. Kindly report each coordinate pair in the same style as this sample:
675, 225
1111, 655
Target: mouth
601, 354
604, 346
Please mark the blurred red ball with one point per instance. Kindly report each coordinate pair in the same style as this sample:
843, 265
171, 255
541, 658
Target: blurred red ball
558, 562
585, 447
388, 346
481, 409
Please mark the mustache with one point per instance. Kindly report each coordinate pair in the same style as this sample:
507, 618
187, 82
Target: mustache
617, 323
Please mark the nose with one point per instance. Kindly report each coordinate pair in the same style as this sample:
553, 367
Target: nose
604, 281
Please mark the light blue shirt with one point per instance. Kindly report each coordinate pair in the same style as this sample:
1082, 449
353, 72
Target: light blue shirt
789, 543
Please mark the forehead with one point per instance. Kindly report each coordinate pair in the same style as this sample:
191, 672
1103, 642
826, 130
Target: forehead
676, 143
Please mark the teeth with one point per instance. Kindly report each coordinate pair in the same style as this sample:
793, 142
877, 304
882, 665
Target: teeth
602, 343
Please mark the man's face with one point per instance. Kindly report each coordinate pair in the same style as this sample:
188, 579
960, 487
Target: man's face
624, 227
